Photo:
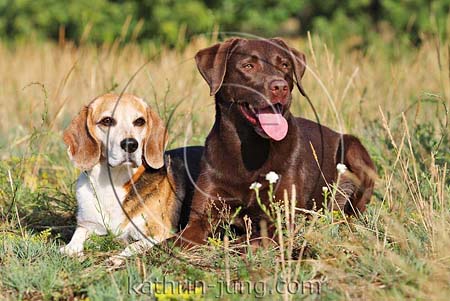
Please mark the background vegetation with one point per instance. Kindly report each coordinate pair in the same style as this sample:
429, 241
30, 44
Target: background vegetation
171, 22
394, 93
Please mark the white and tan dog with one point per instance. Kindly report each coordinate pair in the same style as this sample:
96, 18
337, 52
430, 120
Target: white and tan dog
117, 191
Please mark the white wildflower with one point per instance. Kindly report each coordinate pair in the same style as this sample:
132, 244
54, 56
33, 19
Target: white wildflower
255, 185
325, 189
272, 177
341, 168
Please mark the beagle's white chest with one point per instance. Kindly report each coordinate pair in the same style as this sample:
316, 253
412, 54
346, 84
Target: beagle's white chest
100, 195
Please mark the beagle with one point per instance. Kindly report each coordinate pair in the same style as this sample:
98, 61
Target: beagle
125, 187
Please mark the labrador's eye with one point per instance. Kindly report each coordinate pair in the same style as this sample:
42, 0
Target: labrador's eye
285, 65
107, 121
248, 66
139, 122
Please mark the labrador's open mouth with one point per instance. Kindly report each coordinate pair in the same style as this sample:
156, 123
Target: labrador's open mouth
270, 119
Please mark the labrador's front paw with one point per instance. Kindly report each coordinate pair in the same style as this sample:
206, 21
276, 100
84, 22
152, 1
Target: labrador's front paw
72, 250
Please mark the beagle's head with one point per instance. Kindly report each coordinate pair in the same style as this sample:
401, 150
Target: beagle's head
127, 135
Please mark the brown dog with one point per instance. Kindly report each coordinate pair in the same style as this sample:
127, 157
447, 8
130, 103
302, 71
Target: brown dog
255, 133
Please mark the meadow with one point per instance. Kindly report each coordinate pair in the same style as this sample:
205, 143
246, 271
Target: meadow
394, 98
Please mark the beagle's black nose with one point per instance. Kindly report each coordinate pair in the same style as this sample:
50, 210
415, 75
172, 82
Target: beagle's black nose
129, 145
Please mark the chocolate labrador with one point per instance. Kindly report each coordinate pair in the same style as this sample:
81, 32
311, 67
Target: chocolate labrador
255, 133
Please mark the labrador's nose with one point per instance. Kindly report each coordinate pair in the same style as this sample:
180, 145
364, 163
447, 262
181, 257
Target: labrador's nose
279, 90
129, 145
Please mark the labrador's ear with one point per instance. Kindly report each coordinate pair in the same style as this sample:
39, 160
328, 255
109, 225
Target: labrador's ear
212, 63
83, 147
298, 61
156, 140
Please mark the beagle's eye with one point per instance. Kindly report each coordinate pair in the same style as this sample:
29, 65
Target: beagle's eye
107, 121
285, 65
248, 66
139, 122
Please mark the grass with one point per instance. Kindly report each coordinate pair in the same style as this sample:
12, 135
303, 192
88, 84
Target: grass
394, 99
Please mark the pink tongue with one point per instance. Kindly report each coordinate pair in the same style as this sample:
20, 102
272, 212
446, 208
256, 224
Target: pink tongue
273, 124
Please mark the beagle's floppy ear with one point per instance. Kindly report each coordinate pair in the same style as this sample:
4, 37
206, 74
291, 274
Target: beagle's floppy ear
298, 60
83, 147
156, 140
212, 63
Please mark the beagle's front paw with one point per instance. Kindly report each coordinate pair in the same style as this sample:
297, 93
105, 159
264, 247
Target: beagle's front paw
75, 250
115, 262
